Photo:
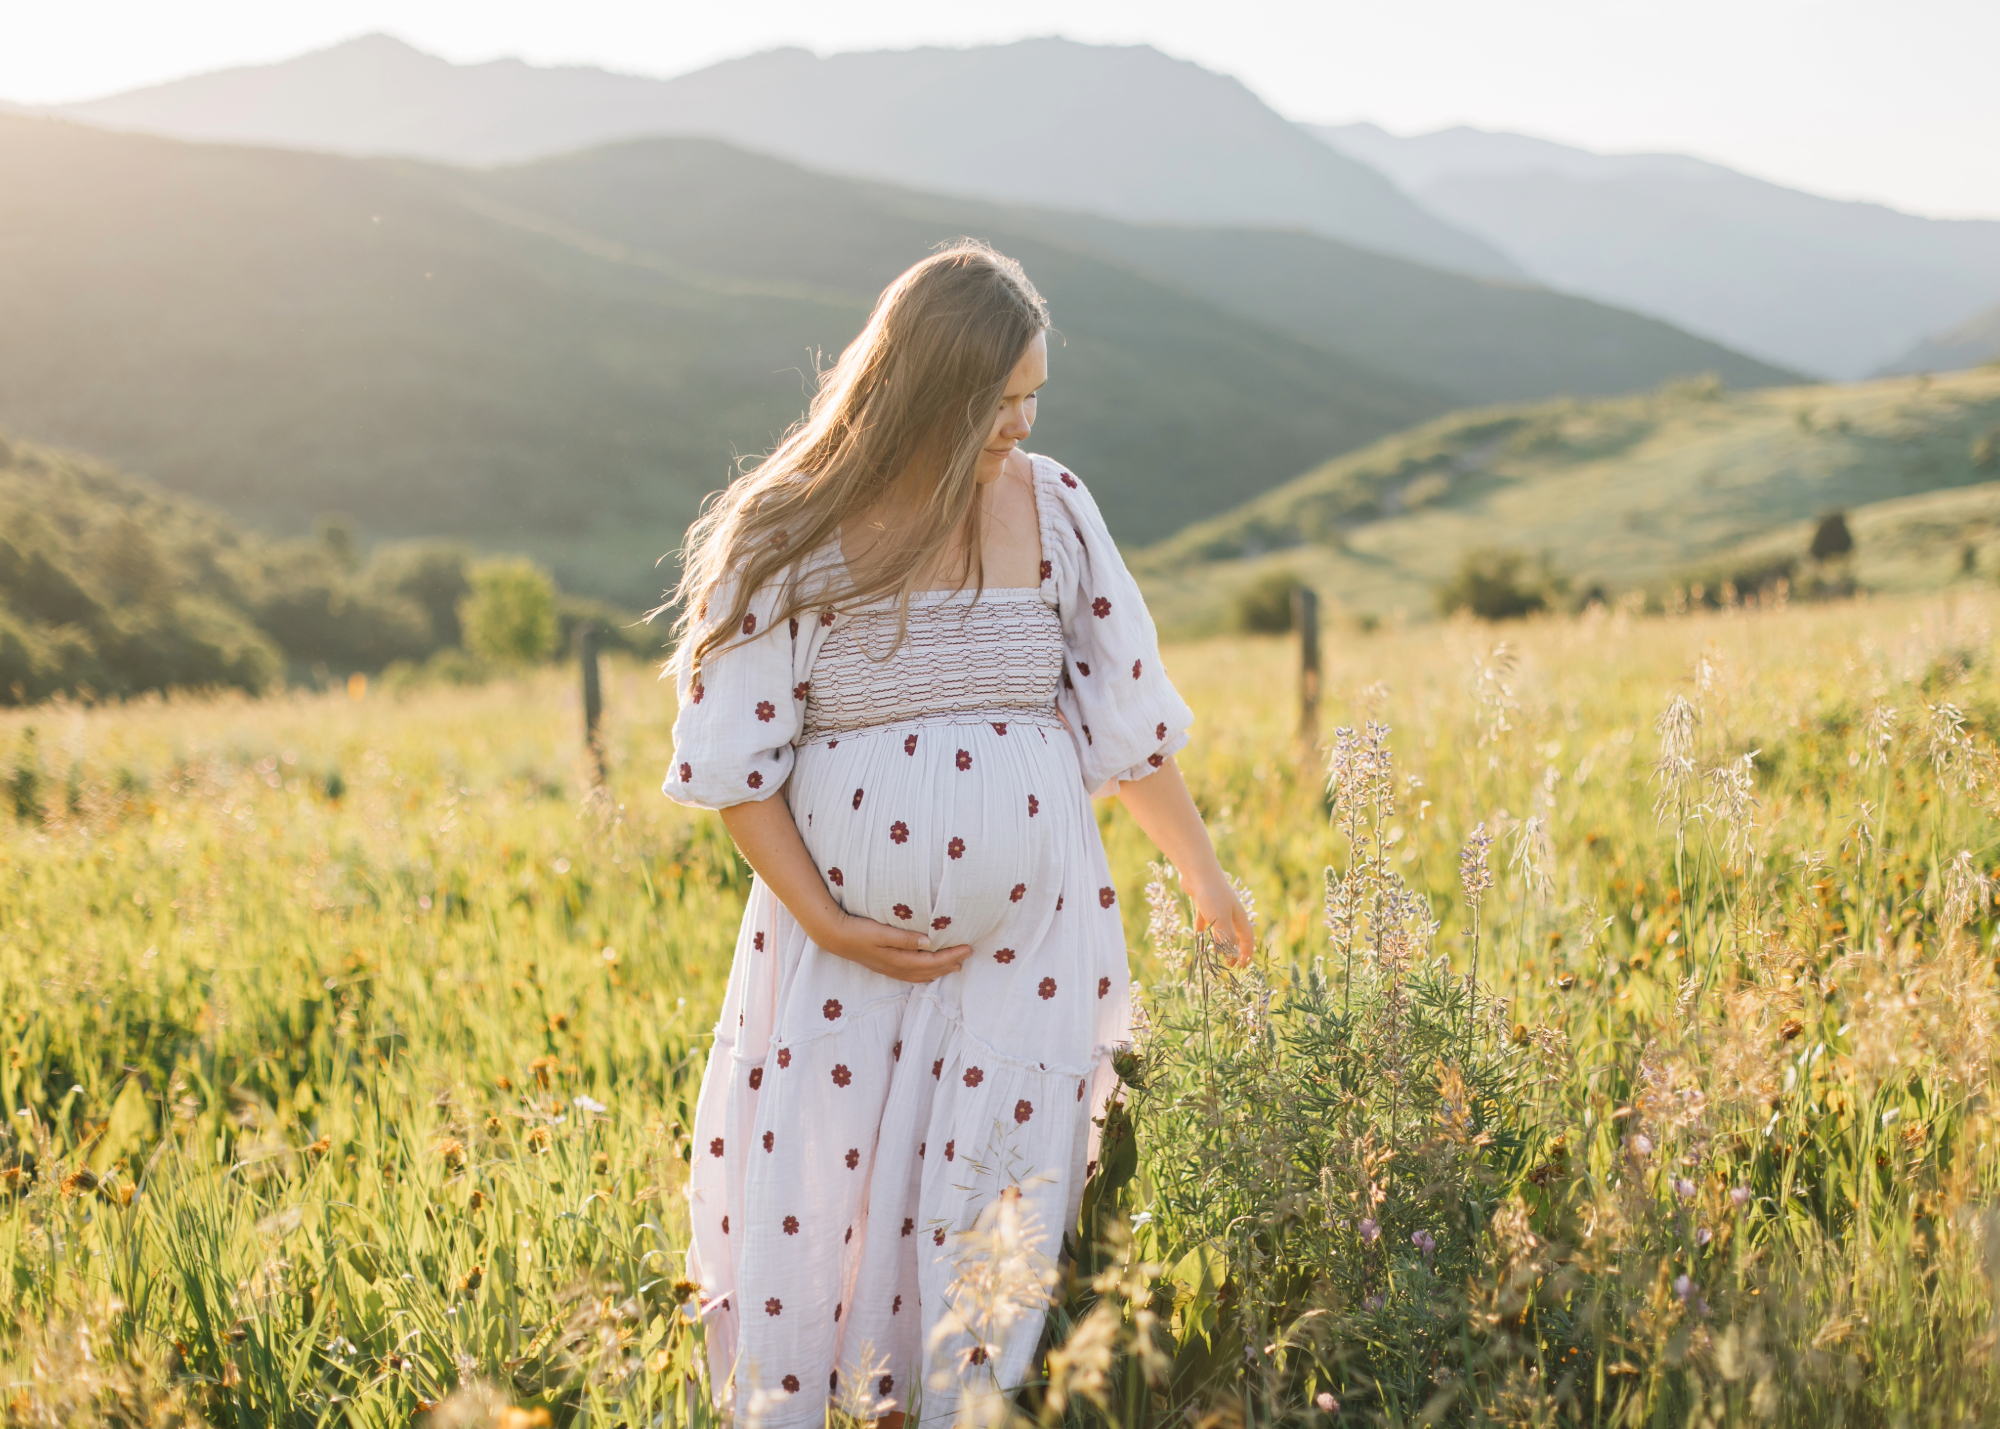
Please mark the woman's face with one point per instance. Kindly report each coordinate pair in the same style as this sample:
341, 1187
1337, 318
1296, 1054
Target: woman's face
1016, 417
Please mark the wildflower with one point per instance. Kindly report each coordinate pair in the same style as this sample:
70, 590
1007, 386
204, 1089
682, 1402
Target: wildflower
1684, 1288
1327, 1403
474, 1278
1370, 1231
1641, 1144
589, 1104
1739, 1196
452, 1153
1374, 1302
1703, 1236
1473, 874
1426, 1245
1684, 1188
538, 1140
1674, 771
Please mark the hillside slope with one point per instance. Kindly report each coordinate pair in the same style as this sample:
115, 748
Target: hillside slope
1122, 130
1972, 342
284, 334
1825, 286
1619, 492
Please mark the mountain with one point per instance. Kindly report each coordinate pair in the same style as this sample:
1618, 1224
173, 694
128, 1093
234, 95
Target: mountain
1119, 130
1819, 285
1620, 493
1967, 345
493, 357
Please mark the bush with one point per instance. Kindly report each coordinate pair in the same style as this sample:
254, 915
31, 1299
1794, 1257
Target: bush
1264, 607
1831, 539
1501, 585
510, 615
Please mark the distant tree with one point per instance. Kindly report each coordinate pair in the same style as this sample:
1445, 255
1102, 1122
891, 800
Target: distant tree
510, 615
1501, 585
1264, 607
336, 533
1832, 538
431, 573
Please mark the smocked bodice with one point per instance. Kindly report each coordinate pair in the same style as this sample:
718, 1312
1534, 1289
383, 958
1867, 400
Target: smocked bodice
996, 658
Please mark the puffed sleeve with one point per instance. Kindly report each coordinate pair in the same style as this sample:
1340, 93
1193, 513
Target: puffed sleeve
739, 714
1124, 713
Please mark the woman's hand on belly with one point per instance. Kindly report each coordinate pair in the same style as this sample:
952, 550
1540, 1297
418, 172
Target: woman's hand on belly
768, 836
894, 952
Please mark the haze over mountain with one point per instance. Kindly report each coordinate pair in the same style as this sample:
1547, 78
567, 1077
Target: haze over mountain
1120, 130
1972, 342
1825, 286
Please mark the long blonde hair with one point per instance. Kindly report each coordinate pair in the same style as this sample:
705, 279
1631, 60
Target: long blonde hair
921, 384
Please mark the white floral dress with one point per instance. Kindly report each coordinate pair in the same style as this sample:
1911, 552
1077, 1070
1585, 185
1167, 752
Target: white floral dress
850, 1127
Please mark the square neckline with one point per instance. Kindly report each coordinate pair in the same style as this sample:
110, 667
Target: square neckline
839, 556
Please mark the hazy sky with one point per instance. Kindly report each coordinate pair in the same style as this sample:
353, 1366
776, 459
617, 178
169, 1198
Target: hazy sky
1885, 99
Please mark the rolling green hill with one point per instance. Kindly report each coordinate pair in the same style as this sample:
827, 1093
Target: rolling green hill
565, 356
283, 334
1619, 492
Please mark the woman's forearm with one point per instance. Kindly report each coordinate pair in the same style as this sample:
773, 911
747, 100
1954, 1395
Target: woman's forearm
768, 836
1162, 806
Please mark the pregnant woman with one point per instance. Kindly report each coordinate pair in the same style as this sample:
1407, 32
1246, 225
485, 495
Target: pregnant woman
908, 655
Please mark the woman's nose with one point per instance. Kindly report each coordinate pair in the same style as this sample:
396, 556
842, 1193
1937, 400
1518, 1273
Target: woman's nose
1015, 424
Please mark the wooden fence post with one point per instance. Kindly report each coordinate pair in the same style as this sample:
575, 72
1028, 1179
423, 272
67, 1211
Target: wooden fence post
1305, 620
593, 696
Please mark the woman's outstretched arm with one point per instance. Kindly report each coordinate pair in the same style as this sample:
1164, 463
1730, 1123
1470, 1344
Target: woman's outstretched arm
768, 837
1161, 805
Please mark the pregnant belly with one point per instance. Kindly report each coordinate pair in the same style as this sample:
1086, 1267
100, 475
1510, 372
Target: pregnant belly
962, 832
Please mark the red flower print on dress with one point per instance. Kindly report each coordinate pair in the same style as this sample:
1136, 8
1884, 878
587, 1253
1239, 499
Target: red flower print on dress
836, 878
908, 1226
904, 911
774, 1306
687, 773
1059, 902
1069, 481
803, 687
977, 1354
756, 1078
1083, 667
921, 1145
1046, 989
1048, 569
888, 1381
841, 1076
974, 1076
756, 780
937, 1068
826, 617
1034, 806
897, 1050
1079, 1091
1000, 726
725, 1225
964, 760
715, 1148
1106, 897
795, 627
844, 1240
698, 691
899, 833
1023, 1110
767, 1140
857, 798
1020, 891
1086, 735
1156, 760
749, 625
1100, 607
956, 848
853, 1160
1004, 955
791, 1225
939, 924
951, 1150
1104, 987
784, 1058
830, 1009
910, 745
766, 711
833, 744
757, 941
791, 1383
1137, 666
937, 1236
1160, 730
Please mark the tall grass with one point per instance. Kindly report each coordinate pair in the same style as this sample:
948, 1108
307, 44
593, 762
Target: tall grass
1620, 1050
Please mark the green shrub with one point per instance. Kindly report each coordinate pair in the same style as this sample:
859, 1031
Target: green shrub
1501, 585
1264, 607
510, 615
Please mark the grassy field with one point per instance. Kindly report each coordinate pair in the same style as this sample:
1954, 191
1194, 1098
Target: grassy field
1622, 493
349, 1045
